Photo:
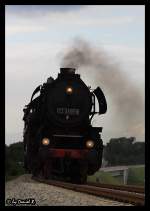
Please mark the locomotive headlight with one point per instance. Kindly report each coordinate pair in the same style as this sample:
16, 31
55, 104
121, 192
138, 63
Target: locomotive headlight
69, 90
89, 144
45, 141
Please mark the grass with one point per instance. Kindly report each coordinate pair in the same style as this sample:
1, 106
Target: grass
14, 172
9, 178
104, 177
136, 176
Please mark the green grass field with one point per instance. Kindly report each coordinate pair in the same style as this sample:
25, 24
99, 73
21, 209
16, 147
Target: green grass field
104, 177
136, 176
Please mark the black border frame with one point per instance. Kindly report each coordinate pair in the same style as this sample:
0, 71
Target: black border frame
4, 3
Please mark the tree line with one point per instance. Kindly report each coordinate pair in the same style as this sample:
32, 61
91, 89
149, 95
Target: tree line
124, 151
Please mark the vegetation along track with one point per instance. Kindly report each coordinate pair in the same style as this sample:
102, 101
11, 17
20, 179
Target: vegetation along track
111, 191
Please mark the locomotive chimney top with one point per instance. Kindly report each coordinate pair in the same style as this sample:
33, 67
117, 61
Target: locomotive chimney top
67, 70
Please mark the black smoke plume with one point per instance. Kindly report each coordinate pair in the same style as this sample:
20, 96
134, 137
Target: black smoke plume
125, 96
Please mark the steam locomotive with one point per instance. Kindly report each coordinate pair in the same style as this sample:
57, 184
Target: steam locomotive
59, 140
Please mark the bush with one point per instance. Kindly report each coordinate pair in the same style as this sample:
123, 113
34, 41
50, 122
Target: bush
14, 160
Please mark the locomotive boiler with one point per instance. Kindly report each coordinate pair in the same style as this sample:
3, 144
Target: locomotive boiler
59, 139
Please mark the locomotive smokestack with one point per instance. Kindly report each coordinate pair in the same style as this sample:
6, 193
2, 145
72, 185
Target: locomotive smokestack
67, 70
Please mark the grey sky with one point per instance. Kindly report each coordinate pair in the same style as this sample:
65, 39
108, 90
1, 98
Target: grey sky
37, 37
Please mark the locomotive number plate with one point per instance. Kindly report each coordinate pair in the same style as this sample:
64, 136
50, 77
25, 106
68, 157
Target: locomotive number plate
69, 111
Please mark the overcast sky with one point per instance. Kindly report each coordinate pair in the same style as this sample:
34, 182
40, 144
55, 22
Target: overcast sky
37, 36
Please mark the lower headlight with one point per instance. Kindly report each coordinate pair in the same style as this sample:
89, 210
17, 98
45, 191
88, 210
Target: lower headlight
90, 144
45, 141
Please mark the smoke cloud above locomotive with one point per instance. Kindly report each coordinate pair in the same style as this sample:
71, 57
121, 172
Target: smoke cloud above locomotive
127, 101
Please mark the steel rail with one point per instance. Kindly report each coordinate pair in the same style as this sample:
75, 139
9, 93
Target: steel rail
130, 188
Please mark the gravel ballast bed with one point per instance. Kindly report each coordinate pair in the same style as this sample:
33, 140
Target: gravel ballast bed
46, 195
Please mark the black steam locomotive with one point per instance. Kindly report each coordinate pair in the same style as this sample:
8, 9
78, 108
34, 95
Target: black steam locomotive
59, 139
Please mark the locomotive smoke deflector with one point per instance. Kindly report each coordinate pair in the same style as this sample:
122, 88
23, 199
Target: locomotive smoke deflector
101, 100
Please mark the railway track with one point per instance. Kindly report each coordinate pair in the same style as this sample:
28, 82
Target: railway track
134, 196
